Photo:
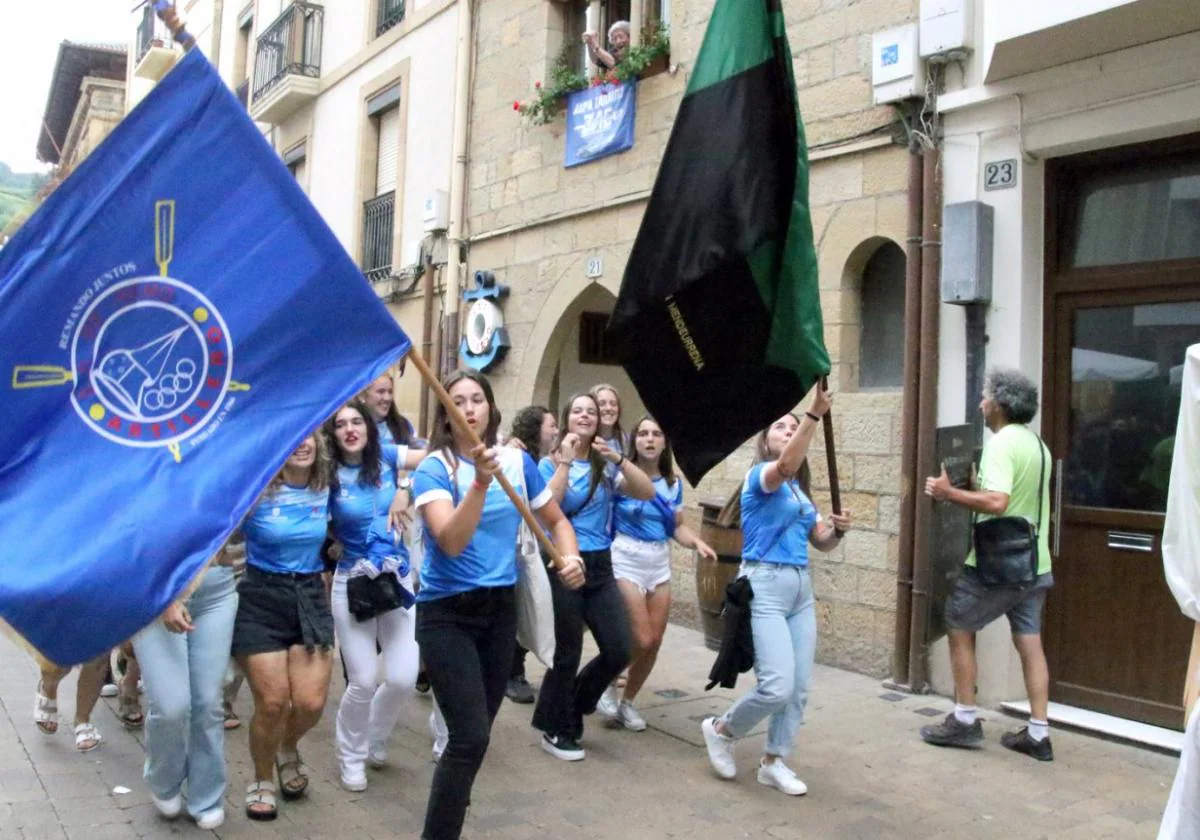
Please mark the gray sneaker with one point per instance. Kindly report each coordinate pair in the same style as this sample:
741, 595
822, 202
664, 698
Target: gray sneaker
952, 732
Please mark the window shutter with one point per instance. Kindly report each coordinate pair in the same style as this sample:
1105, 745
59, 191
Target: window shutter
389, 151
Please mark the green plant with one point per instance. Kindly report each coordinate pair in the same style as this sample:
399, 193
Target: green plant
548, 99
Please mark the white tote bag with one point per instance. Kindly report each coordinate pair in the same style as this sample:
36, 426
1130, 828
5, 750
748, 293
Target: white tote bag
535, 603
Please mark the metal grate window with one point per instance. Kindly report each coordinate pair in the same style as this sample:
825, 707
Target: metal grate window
390, 13
379, 216
594, 346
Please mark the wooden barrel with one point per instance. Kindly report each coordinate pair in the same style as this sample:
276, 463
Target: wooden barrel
712, 576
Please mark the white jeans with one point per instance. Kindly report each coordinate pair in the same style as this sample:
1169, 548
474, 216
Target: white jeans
369, 710
647, 565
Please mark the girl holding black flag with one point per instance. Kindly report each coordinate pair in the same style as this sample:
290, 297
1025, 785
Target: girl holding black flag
779, 522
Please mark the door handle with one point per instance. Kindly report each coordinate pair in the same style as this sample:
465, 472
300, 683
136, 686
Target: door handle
1056, 519
1129, 541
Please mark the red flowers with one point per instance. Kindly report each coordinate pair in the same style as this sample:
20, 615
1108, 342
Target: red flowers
537, 85
516, 106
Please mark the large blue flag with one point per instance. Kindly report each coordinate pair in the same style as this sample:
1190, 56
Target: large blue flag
174, 320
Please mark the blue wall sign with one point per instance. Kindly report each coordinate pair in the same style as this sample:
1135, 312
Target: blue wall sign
599, 122
485, 340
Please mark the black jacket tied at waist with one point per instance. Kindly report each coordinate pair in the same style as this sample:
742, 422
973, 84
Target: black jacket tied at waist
737, 644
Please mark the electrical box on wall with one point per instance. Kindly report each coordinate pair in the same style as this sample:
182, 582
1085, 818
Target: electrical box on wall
436, 213
967, 252
896, 71
945, 27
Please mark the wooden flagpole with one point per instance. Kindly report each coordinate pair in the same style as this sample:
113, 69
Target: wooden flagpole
457, 418
835, 493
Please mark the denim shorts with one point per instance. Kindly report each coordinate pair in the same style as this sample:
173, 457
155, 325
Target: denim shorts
973, 606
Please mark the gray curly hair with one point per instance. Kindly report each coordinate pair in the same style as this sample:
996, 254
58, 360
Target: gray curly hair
1014, 392
621, 25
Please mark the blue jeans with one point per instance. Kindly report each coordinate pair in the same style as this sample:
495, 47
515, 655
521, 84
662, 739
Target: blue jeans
184, 674
784, 623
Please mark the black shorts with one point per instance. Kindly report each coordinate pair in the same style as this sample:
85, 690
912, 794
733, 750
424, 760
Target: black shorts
279, 611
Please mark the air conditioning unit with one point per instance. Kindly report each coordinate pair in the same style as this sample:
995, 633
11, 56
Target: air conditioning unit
946, 27
896, 71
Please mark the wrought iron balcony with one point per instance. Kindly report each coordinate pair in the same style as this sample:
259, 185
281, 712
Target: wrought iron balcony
390, 13
154, 47
287, 63
379, 219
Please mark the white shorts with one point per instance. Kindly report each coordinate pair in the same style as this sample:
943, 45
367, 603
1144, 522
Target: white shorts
645, 564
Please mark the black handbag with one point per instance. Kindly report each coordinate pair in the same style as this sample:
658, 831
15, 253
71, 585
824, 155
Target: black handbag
368, 597
1006, 547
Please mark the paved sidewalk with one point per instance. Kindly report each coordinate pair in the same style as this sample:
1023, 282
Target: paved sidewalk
868, 775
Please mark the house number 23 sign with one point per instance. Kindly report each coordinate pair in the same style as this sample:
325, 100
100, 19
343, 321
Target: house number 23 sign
1000, 174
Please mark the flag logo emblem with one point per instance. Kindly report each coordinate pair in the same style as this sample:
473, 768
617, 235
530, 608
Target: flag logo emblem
151, 358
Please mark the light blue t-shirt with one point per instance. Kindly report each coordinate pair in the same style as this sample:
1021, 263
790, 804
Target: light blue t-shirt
591, 518
354, 508
386, 436
490, 558
643, 520
775, 526
285, 530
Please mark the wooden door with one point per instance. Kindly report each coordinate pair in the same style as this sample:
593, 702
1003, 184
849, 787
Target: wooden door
1122, 306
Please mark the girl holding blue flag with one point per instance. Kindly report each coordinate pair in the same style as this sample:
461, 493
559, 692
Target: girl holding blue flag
585, 478
641, 560
283, 633
369, 501
779, 523
466, 607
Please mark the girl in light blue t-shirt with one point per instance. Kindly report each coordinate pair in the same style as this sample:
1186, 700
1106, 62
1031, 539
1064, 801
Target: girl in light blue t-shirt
778, 524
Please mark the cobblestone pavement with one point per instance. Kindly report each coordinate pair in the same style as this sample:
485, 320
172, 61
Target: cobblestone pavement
868, 775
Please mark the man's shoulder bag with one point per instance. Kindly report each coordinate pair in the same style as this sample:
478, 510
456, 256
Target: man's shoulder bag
1006, 547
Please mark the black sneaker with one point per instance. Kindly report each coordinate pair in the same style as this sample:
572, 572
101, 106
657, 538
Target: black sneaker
564, 747
422, 685
952, 732
1020, 741
519, 691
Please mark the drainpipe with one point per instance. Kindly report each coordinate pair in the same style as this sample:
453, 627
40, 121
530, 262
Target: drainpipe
909, 489
931, 264
458, 185
976, 350
427, 342
218, 13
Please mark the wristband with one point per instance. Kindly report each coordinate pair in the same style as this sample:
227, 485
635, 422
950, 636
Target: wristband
621, 462
812, 416
479, 485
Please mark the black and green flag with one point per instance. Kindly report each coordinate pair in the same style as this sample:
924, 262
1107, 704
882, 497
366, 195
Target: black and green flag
718, 322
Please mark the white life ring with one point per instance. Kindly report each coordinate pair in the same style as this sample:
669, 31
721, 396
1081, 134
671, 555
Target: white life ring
483, 319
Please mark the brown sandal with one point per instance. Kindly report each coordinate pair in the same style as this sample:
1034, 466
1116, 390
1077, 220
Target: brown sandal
130, 713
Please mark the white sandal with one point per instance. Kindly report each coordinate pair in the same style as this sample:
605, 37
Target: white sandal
85, 732
45, 712
261, 793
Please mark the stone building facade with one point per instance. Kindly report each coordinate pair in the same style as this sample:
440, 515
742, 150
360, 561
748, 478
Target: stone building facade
560, 239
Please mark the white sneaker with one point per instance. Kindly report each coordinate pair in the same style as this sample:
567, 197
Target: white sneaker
377, 756
781, 777
720, 749
109, 690
210, 820
629, 717
609, 703
354, 781
169, 808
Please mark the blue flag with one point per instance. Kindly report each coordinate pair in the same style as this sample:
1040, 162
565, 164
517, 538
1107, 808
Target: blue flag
174, 320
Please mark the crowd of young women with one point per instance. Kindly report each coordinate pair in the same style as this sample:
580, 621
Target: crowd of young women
328, 564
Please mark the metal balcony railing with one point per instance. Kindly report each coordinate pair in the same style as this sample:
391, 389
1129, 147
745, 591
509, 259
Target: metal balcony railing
379, 218
151, 32
289, 46
390, 13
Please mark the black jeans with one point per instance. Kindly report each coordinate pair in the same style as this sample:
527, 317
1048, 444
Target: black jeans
518, 665
467, 643
565, 697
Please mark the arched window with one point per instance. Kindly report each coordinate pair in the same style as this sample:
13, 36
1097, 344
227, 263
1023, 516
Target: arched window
881, 341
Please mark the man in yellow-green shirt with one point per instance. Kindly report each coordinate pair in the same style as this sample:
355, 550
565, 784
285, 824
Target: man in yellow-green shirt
1014, 480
